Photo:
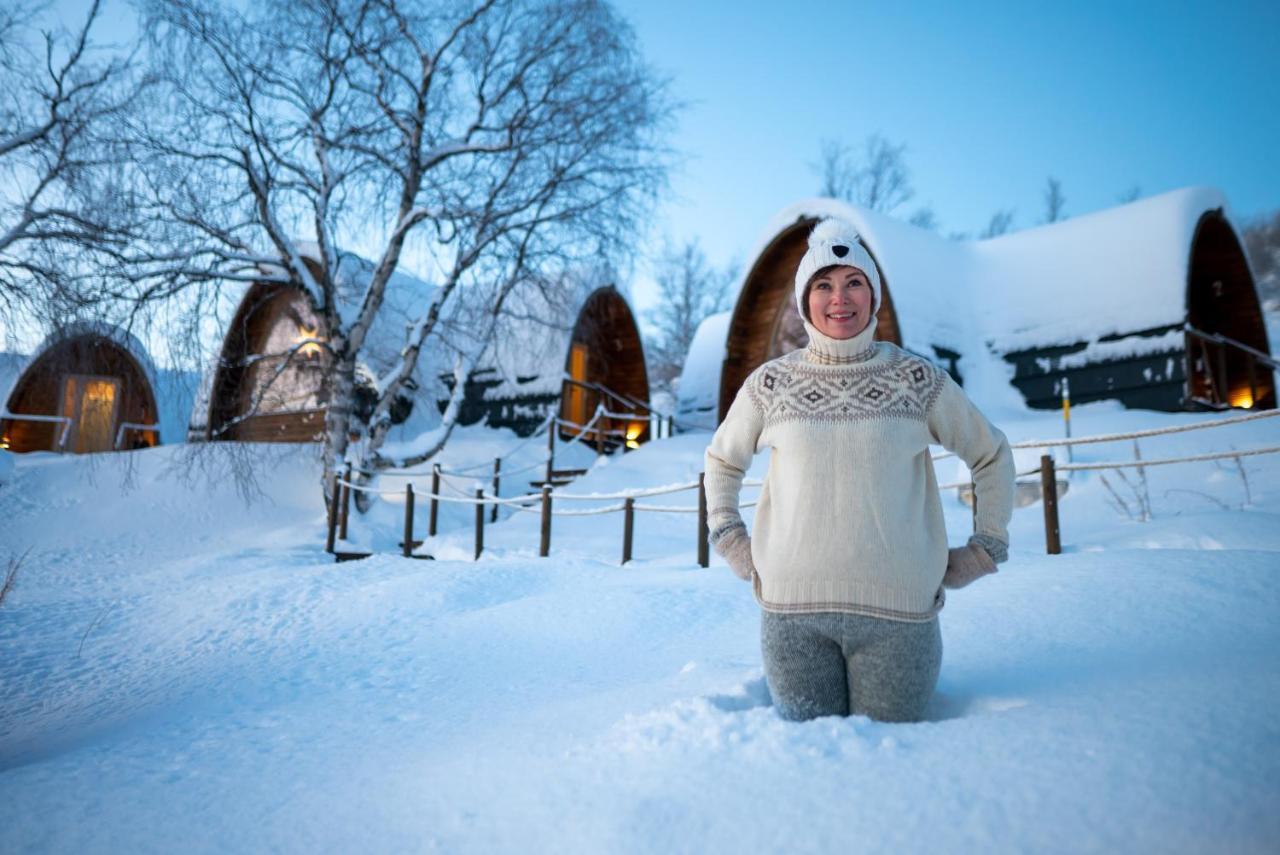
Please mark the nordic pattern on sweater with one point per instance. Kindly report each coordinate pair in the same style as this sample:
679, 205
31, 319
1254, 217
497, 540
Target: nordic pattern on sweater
791, 388
849, 518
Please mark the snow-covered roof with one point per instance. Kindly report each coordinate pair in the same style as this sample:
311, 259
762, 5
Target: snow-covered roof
698, 391
1114, 271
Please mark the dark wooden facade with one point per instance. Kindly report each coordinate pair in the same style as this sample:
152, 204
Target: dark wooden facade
270, 384
605, 365
1204, 368
95, 383
522, 413
765, 321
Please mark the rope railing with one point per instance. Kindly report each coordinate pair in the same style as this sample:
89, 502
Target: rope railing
1136, 434
546, 498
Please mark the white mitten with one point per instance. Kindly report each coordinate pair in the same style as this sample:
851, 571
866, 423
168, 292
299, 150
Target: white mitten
966, 564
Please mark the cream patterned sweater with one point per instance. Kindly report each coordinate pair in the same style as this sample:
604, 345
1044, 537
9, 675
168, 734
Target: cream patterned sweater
849, 518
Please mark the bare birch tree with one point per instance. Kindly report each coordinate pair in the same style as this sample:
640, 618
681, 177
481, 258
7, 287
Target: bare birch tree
1054, 201
506, 139
876, 177
689, 290
1000, 223
60, 204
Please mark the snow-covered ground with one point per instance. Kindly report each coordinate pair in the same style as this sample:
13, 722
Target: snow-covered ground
182, 672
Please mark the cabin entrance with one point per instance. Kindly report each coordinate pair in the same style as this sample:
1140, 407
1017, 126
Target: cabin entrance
1228, 355
605, 371
89, 403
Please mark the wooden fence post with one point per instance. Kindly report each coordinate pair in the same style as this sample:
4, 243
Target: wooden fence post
497, 467
479, 522
551, 446
600, 423
1224, 394
1049, 494
704, 556
544, 544
333, 513
346, 504
435, 501
628, 527
408, 520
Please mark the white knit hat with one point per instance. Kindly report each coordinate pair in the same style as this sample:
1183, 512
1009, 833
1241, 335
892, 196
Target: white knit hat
834, 241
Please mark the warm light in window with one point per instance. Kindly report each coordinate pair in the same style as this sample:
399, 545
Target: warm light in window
4, 443
1242, 399
634, 429
311, 337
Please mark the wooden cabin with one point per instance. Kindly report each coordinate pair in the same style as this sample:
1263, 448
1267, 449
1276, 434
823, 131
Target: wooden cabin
539, 368
1174, 315
269, 382
1151, 304
605, 367
86, 389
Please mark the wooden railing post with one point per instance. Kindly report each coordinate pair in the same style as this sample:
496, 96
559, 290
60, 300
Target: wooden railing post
333, 513
497, 468
1224, 393
346, 503
551, 446
544, 545
1049, 494
628, 527
479, 522
704, 555
408, 520
435, 501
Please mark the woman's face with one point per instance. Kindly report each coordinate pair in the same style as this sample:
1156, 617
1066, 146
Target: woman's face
840, 302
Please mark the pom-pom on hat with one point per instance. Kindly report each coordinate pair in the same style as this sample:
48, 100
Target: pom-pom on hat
833, 241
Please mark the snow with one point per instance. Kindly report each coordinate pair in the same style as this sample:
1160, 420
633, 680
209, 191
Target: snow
1173, 341
698, 392
178, 668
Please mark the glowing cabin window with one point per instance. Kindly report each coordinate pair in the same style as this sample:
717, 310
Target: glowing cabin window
309, 338
90, 403
1242, 398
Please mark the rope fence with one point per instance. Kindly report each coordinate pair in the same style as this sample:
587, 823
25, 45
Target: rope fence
543, 502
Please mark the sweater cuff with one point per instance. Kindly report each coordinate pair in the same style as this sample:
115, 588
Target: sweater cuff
723, 530
993, 546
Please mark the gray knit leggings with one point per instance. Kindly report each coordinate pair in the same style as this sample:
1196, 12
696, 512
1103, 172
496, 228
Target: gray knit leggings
831, 663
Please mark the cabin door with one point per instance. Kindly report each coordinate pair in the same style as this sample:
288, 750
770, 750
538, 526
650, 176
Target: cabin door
578, 402
90, 403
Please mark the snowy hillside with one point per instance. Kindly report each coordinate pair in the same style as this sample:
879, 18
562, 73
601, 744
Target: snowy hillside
181, 672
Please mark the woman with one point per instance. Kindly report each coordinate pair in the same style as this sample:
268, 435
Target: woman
850, 554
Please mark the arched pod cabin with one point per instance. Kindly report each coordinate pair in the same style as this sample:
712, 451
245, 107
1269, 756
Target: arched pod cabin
1151, 304
605, 368
87, 389
269, 383
538, 365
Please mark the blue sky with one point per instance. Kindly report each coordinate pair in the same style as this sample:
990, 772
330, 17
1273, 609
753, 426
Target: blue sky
989, 98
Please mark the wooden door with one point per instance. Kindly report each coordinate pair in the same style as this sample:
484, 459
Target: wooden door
91, 404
